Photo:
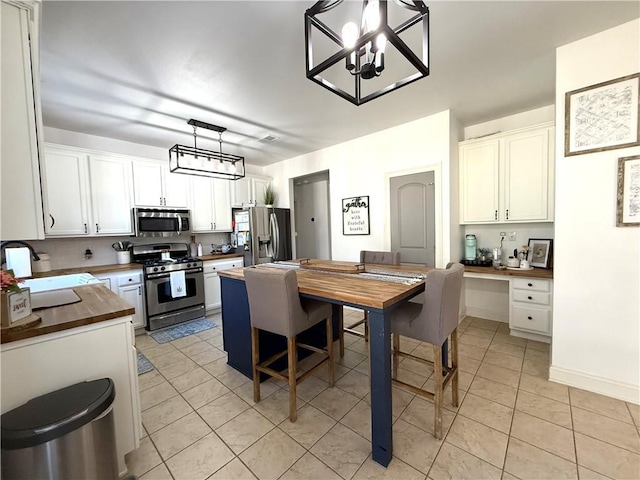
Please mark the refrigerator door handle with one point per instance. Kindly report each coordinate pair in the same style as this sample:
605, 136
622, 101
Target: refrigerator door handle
275, 237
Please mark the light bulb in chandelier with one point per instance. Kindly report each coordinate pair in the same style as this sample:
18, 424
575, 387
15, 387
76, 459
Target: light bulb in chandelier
381, 44
349, 37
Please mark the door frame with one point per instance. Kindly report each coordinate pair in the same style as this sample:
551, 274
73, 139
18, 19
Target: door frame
436, 168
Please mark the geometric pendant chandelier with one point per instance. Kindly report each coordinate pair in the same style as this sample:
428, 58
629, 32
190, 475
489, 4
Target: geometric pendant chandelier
205, 163
360, 51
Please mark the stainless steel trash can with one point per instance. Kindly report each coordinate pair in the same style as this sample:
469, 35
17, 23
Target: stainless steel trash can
68, 433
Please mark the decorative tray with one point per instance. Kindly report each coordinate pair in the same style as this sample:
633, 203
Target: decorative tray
332, 266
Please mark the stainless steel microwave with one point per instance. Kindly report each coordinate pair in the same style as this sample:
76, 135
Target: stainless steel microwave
161, 222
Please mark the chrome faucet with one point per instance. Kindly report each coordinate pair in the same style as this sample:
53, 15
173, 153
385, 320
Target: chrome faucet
20, 242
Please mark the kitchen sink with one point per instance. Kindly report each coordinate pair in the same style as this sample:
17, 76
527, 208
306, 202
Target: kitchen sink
58, 282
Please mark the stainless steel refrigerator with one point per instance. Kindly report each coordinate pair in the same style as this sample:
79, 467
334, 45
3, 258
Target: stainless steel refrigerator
262, 234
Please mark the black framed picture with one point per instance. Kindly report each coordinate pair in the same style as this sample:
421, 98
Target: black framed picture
540, 252
355, 215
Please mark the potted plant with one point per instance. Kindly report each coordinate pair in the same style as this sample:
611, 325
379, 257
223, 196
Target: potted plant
270, 196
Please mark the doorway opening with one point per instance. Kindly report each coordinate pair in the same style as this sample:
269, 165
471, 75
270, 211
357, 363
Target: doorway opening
312, 216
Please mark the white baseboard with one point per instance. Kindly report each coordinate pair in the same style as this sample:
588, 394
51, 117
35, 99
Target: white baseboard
488, 314
592, 383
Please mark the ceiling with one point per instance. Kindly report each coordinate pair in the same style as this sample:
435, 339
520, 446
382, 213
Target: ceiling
138, 70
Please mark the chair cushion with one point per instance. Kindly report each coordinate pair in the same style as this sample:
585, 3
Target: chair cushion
438, 315
403, 316
275, 305
316, 310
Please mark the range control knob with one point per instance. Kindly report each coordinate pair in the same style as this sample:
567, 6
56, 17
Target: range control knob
188, 265
162, 269
155, 269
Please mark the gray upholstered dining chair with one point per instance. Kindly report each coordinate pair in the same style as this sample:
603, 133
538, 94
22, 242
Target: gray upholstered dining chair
275, 306
433, 322
367, 256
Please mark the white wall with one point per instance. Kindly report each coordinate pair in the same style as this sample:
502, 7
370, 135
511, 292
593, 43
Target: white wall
512, 122
363, 167
596, 324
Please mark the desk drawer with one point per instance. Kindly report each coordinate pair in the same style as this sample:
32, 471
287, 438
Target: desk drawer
538, 298
531, 284
532, 319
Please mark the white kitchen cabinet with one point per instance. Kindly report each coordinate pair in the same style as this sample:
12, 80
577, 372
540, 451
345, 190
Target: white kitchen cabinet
21, 123
212, 293
249, 191
110, 191
128, 285
86, 193
210, 204
508, 177
43, 364
155, 186
530, 308
66, 200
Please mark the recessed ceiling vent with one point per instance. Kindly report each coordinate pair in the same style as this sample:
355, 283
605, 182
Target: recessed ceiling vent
268, 139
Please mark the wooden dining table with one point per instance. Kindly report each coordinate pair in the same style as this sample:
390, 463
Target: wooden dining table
379, 289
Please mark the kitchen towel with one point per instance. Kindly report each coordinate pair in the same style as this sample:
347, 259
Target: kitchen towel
19, 260
178, 284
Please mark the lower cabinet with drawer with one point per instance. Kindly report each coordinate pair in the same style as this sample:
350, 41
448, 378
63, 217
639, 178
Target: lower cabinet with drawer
128, 286
212, 293
530, 308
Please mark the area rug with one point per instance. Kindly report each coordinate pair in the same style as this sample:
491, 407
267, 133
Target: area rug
144, 365
182, 330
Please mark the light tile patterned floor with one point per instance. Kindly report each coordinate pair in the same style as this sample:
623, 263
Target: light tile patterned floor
200, 420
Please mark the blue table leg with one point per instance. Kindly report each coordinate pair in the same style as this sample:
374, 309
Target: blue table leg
380, 357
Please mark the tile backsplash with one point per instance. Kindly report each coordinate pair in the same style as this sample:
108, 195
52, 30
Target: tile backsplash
70, 252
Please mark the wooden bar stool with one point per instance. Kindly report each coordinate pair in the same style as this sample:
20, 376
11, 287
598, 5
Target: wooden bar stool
366, 256
275, 306
432, 322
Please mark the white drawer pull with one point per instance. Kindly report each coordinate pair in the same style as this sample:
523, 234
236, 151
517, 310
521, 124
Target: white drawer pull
530, 284
530, 297
529, 318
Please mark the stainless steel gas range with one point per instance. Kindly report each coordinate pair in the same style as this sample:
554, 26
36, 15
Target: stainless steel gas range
168, 265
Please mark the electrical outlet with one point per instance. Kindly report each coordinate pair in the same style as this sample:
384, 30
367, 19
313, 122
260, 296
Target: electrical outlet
512, 237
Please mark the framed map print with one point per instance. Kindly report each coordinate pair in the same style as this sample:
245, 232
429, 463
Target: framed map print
603, 116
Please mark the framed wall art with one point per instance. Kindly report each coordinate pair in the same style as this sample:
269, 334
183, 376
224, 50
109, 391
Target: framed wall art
540, 252
603, 116
355, 216
628, 205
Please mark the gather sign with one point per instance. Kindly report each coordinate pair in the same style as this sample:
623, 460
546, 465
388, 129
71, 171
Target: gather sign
355, 215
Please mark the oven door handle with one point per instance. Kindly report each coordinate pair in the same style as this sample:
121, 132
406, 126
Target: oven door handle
154, 276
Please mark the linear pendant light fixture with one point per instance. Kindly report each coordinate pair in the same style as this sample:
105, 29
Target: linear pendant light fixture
362, 46
205, 163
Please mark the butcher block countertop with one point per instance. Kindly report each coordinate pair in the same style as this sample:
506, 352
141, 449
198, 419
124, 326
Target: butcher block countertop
535, 273
350, 288
97, 304
117, 267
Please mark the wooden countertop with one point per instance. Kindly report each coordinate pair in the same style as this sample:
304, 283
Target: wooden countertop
97, 304
118, 267
535, 273
350, 288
